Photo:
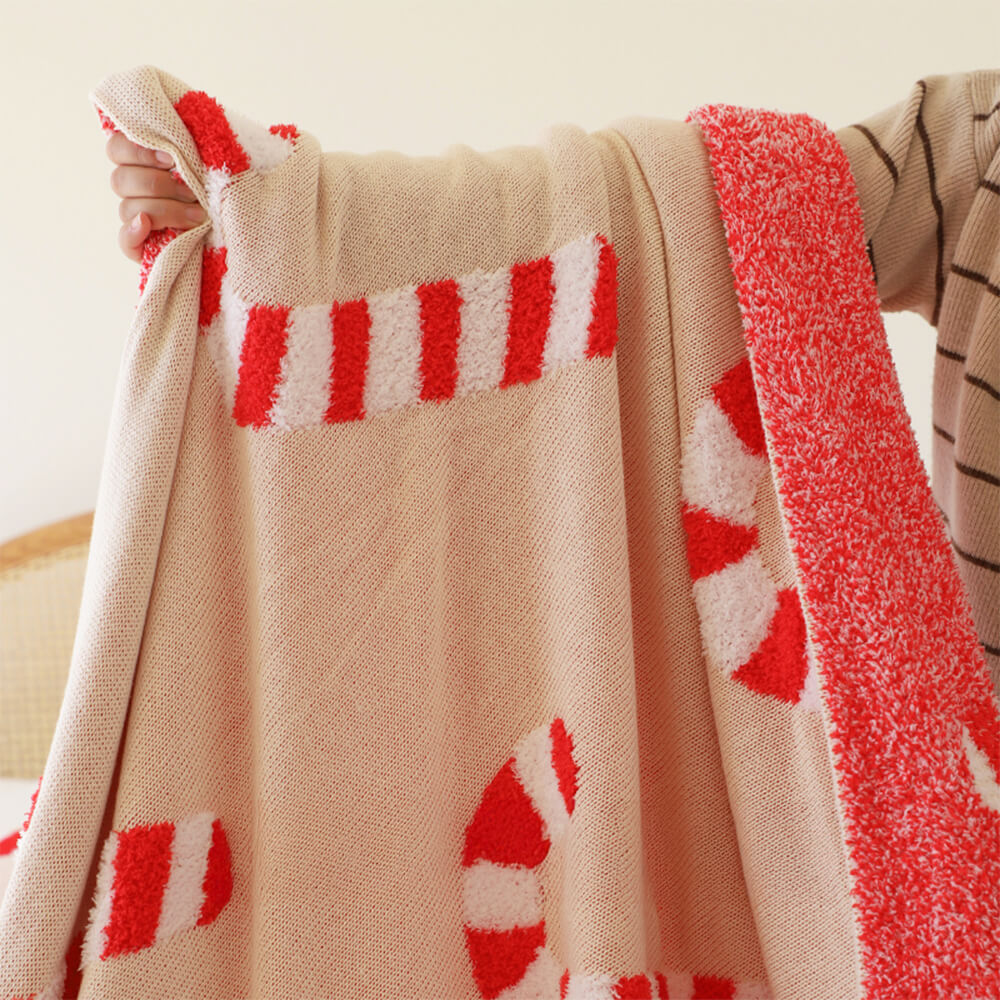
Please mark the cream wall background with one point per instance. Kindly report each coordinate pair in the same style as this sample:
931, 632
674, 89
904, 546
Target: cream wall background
381, 75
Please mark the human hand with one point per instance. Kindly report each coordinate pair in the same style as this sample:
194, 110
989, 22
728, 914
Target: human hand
151, 197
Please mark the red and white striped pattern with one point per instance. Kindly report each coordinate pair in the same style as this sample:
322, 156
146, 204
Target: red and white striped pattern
751, 631
155, 881
525, 809
293, 367
660, 986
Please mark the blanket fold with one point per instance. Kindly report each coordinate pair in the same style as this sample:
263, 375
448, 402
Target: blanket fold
531, 540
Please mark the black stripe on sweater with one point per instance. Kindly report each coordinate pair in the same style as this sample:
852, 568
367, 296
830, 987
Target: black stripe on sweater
883, 155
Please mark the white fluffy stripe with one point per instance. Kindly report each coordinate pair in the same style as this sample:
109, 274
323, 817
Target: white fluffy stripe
717, 472
304, 385
533, 767
230, 344
215, 182
499, 898
539, 982
482, 342
736, 606
574, 275
95, 940
983, 775
183, 896
393, 376
266, 150
591, 987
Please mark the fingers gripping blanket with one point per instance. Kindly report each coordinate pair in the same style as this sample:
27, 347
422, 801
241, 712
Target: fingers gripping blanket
513, 576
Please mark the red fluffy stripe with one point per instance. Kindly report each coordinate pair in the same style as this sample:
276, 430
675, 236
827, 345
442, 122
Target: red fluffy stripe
603, 329
439, 325
264, 346
501, 958
531, 294
633, 988
779, 665
735, 394
217, 143
213, 269
351, 328
714, 543
564, 985
506, 828
563, 763
9, 843
218, 883
141, 869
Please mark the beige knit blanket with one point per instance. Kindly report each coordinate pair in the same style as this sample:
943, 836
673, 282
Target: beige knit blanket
513, 576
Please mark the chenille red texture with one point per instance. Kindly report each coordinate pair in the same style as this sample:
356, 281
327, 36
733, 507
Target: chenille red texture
920, 835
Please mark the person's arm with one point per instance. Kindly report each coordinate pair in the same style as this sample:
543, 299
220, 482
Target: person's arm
919, 165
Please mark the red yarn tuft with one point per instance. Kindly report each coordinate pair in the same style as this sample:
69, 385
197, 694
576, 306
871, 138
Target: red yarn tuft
735, 394
506, 828
531, 294
440, 326
779, 665
151, 248
563, 763
285, 131
218, 883
564, 985
264, 346
351, 328
633, 988
714, 543
501, 958
603, 329
213, 269
217, 144
661, 985
141, 870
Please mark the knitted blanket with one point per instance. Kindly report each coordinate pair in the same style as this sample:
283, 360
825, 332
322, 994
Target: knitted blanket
513, 575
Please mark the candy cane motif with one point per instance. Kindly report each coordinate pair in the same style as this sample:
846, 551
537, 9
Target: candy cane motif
526, 809
752, 631
155, 881
294, 367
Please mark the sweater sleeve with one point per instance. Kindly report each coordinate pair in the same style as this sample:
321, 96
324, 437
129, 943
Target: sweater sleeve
928, 177
919, 165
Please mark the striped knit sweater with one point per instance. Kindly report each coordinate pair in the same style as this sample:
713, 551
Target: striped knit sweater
935, 247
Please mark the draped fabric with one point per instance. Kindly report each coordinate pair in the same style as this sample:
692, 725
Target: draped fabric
513, 575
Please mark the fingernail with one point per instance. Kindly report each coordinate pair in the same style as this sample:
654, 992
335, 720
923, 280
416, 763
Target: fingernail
195, 213
135, 224
165, 158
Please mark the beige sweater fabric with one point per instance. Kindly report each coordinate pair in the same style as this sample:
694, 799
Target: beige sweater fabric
455, 627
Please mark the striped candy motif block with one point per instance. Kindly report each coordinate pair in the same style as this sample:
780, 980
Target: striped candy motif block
229, 144
296, 367
155, 881
524, 811
752, 631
